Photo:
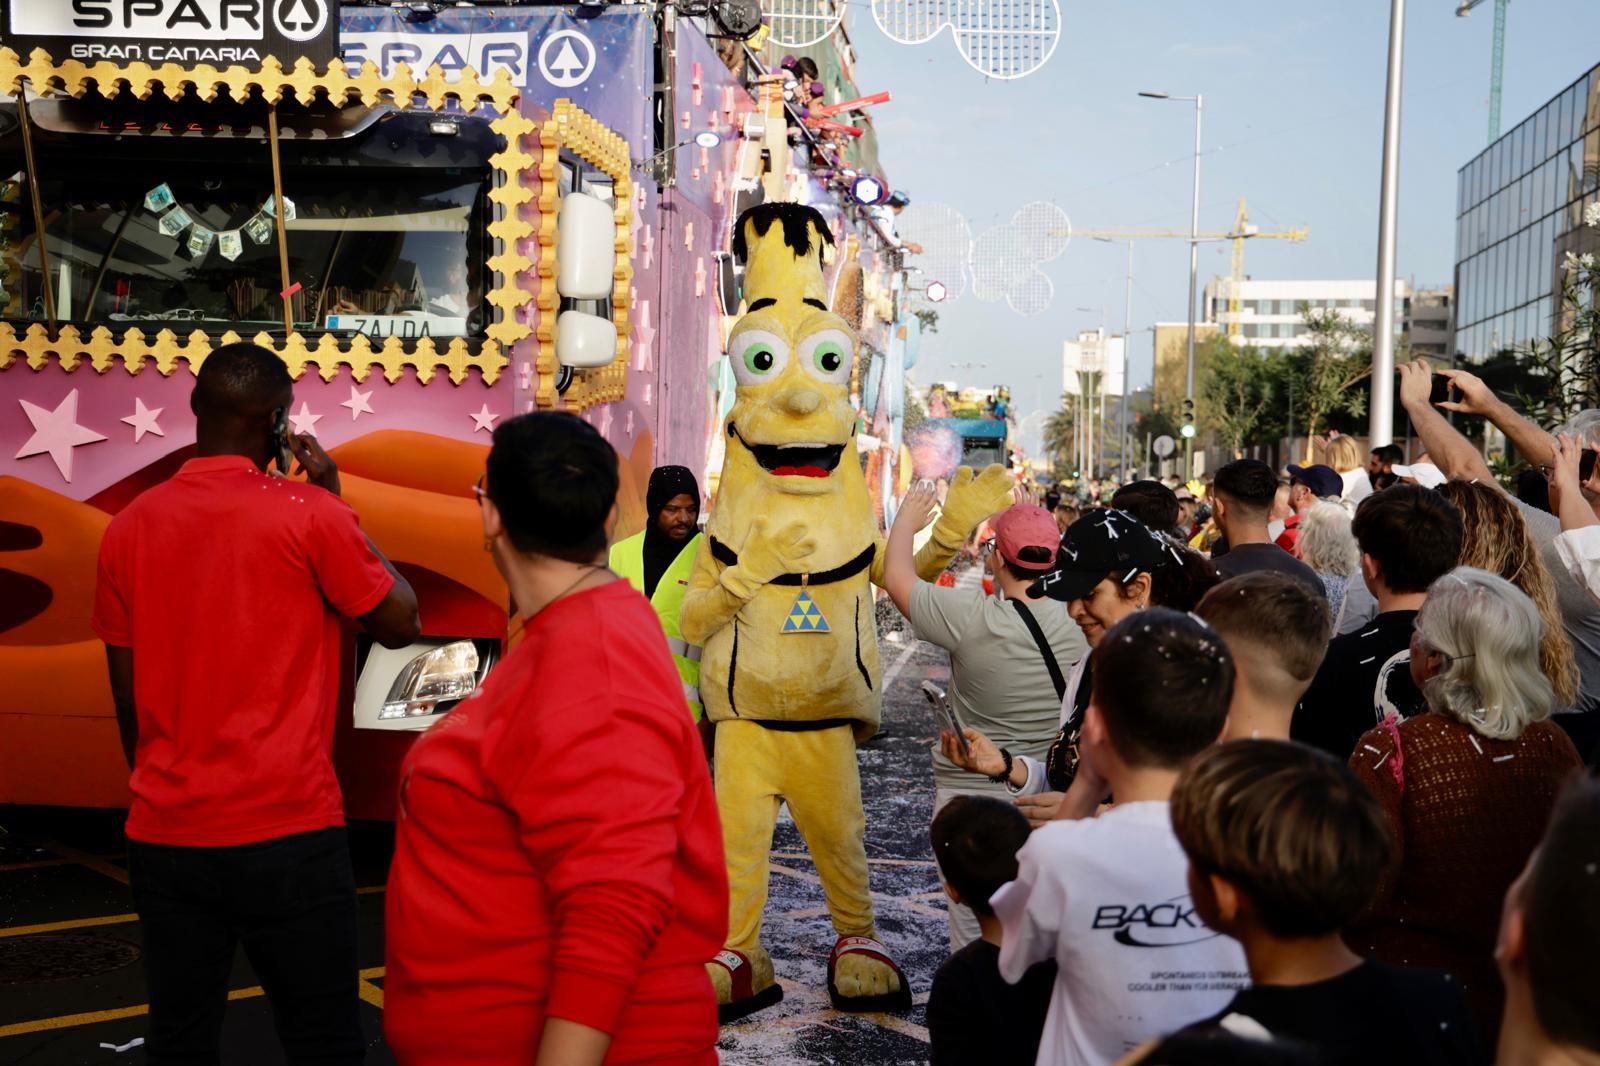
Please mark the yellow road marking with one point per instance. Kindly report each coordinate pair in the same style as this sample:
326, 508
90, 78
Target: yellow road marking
76, 923
116, 1014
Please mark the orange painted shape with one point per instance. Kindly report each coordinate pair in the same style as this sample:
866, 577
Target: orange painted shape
65, 560
415, 460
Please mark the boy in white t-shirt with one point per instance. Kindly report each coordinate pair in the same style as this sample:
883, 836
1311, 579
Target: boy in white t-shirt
1108, 897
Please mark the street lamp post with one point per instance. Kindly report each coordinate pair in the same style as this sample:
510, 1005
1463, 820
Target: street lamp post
1380, 427
1127, 356
1194, 261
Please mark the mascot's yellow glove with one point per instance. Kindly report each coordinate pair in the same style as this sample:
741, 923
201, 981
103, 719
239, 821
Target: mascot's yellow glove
971, 499
765, 557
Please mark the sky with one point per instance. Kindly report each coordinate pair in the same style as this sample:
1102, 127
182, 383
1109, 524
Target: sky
1293, 121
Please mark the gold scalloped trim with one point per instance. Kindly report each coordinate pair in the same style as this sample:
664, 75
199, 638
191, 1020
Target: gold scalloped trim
272, 81
573, 128
135, 348
102, 350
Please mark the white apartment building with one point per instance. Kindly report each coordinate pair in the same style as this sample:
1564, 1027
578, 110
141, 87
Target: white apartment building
1270, 311
1094, 352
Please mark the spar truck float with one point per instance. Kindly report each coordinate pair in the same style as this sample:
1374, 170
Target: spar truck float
438, 230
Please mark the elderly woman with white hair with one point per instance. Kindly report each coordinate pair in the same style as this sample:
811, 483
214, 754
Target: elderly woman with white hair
1327, 545
1467, 786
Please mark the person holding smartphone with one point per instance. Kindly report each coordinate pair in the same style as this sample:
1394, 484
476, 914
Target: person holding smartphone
220, 598
1005, 650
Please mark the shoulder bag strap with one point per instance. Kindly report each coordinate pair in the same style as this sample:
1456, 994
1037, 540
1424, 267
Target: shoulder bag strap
1050, 662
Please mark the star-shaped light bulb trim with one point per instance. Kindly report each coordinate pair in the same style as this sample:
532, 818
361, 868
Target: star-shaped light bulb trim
57, 433
143, 420
483, 420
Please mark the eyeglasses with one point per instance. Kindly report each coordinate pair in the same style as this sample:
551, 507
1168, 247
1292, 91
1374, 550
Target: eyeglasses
478, 490
987, 547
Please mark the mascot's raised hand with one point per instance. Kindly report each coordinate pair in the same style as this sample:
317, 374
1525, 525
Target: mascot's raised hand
782, 604
766, 556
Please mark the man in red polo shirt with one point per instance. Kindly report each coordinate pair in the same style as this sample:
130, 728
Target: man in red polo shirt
219, 600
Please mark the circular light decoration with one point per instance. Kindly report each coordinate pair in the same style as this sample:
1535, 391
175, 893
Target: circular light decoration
946, 239
869, 190
708, 138
801, 23
1003, 39
1006, 259
936, 292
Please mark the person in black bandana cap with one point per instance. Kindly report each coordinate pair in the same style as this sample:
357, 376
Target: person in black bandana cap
658, 562
1109, 566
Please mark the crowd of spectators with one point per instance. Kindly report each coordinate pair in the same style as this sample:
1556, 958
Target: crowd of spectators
1309, 785
1326, 717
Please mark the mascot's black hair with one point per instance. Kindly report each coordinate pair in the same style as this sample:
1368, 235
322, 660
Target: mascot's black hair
797, 221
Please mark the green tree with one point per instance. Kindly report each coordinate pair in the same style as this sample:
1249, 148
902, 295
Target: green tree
1324, 371
1239, 387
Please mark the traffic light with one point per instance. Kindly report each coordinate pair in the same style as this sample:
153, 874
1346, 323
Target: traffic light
1188, 419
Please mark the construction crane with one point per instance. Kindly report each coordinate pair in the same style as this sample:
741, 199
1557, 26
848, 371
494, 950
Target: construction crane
1496, 62
1242, 231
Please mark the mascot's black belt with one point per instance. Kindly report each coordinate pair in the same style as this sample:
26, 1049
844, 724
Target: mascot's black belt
728, 557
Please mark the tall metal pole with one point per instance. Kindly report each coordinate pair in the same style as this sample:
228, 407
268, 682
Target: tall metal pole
1194, 274
1127, 355
1380, 429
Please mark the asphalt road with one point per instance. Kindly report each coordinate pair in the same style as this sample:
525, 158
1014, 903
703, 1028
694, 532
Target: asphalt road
72, 990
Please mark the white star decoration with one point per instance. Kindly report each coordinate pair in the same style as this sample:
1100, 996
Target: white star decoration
649, 246
688, 237
304, 421
483, 420
358, 403
143, 420
57, 432
602, 421
700, 276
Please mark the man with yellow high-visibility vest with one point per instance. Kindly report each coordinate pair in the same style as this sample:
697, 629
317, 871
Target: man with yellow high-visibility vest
659, 560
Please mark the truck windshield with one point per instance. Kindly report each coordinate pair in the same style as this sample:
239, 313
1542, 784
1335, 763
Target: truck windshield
162, 216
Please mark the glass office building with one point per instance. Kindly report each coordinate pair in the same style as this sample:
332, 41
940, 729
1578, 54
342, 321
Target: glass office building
1519, 210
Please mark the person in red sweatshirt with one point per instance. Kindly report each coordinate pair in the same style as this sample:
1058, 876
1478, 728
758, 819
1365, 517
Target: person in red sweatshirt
558, 881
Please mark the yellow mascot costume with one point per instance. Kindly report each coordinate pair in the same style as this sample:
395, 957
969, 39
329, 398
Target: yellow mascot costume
781, 602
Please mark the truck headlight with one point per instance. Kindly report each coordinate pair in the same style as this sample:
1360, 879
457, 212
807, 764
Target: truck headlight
444, 674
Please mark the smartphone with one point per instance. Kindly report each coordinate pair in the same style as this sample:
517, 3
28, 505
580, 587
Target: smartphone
1443, 391
945, 715
280, 438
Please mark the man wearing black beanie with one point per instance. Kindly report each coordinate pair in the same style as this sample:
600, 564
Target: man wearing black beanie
658, 562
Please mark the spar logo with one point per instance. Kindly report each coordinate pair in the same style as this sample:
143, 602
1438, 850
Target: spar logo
1168, 924
300, 20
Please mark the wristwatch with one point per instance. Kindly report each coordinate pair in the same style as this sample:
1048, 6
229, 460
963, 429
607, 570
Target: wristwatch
1005, 775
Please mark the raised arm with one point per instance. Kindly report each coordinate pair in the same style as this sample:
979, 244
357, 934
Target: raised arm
1533, 443
971, 499
899, 566
1454, 453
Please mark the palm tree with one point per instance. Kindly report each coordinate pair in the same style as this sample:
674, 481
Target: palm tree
1059, 434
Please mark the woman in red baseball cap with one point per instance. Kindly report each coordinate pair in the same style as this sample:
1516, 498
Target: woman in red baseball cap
1008, 654
1109, 566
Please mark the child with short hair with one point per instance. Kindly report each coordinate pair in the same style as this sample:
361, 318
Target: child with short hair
974, 1016
1278, 631
1286, 847
1107, 897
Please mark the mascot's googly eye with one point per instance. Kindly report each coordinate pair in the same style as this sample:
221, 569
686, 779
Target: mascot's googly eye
828, 355
758, 356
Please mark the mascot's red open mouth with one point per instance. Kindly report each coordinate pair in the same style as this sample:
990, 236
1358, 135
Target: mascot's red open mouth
793, 460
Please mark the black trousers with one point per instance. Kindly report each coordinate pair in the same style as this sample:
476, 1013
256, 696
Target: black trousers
290, 903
